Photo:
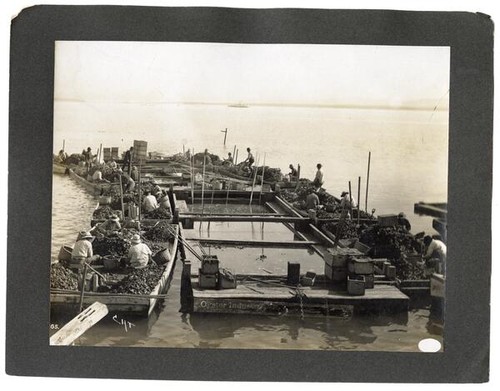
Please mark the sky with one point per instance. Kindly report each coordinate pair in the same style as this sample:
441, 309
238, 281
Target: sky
264, 74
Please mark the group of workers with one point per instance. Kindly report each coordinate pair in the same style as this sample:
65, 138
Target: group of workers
139, 254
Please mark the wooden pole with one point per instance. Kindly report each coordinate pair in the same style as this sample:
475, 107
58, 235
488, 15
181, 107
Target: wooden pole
225, 135
254, 178
262, 179
139, 190
350, 198
203, 187
236, 158
192, 178
367, 181
83, 287
234, 151
64, 144
121, 197
359, 195
100, 154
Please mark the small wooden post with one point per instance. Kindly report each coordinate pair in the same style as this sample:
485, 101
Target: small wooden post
367, 182
186, 288
225, 135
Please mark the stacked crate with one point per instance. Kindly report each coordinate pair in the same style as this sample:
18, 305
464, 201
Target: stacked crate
208, 273
140, 151
361, 275
336, 268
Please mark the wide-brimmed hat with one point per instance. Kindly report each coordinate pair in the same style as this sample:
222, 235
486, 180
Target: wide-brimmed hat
136, 239
85, 235
344, 193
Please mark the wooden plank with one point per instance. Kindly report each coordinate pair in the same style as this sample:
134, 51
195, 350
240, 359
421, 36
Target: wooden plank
79, 325
289, 208
321, 236
238, 242
242, 218
430, 209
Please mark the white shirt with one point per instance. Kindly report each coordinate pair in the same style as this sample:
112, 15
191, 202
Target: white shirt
97, 176
139, 255
347, 202
438, 246
83, 248
150, 203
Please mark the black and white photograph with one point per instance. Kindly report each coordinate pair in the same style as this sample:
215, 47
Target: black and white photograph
249, 196
232, 195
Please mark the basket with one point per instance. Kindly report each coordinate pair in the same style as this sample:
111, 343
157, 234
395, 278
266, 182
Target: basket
110, 263
161, 257
65, 253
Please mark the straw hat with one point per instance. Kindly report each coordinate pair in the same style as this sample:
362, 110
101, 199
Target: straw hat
136, 239
85, 235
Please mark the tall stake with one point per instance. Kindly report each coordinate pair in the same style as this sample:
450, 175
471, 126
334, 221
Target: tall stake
254, 178
234, 151
225, 135
121, 197
203, 189
192, 179
367, 182
262, 179
359, 195
236, 158
350, 199
139, 189
64, 144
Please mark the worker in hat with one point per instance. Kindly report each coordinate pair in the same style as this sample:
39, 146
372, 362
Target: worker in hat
111, 225
134, 174
347, 200
82, 251
403, 221
139, 253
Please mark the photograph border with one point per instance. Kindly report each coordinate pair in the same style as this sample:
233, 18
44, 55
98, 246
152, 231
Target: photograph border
467, 316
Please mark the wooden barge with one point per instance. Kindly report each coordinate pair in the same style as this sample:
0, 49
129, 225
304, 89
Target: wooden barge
92, 187
58, 168
141, 305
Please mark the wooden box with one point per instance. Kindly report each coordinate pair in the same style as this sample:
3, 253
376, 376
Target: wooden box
210, 264
360, 266
387, 220
356, 285
336, 274
207, 281
337, 257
